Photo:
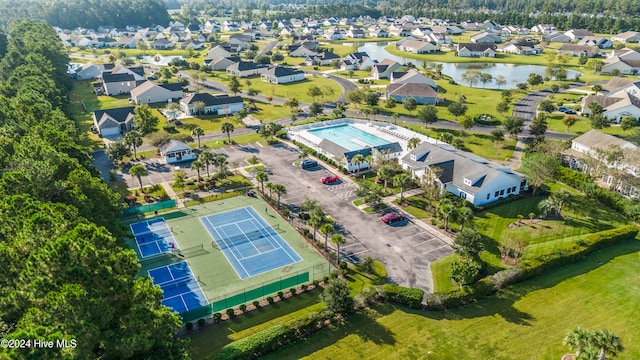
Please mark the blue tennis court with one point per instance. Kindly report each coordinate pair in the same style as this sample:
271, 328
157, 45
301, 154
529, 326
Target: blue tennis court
153, 237
181, 290
248, 242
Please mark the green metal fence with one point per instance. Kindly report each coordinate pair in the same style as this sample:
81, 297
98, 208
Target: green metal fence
147, 208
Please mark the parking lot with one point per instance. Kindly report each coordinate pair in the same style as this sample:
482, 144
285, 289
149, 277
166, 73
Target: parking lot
404, 247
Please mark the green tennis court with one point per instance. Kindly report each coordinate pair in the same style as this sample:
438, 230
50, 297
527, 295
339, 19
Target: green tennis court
218, 279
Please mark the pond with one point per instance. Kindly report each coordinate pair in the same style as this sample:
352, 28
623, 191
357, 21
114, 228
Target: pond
513, 73
159, 59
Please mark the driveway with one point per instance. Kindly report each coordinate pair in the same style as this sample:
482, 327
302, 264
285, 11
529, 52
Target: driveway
405, 248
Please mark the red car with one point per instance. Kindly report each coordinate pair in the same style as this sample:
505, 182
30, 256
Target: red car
329, 179
391, 217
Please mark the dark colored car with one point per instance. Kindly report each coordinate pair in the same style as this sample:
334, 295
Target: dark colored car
329, 179
391, 217
306, 163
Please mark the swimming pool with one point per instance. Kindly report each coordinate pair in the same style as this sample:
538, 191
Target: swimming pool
349, 137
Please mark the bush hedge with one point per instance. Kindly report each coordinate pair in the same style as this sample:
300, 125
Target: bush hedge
612, 199
403, 295
491, 205
526, 269
271, 339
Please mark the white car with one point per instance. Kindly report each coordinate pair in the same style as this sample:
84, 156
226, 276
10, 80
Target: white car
326, 75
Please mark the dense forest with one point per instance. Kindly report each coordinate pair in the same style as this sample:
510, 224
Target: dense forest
66, 276
70, 14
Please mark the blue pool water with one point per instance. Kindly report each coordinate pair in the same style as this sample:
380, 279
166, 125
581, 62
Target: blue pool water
344, 135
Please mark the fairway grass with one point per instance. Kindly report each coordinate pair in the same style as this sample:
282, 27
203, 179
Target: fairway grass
525, 321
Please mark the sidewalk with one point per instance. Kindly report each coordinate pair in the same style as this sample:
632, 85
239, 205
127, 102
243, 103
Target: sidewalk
389, 200
172, 194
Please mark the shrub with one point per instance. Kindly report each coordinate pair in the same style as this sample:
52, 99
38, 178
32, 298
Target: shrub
509, 199
403, 295
344, 272
189, 325
343, 265
293, 291
316, 283
243, 307
282, 134
304, 286
270, 299
201, 322
256, 304
281, 295
169, 128
334, 274
230, 312
307, 233
325, 279
217, 317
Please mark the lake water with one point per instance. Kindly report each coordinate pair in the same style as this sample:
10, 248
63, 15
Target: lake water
159, 59
513, 73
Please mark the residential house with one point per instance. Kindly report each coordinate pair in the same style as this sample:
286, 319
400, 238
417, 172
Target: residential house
516, 30
519, 49
162, 44
113, 122
282, 75
557, 37
578, 34
418, 47
616, 85
193, 44
599, 41
334, 33
212, 26
383, 69
324, 58
422, 93
246, 69
118, 84
301, 50
411, 77
485, 38
439, 38
136, 71
211, 104
378, 33
230, 25
624, 61
627, 37
544, 29
178, 37
399, 31
579, 50
127, 42
240, 40
476, 50
421, 31
175, 151
221, 63
462, 174
615, 107
355, 33
88, 71
150, 92
585, 149
357, 61
220, 51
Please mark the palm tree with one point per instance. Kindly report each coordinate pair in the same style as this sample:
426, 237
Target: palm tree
262, 176
608, 343
385, 173
280, 190
578, 339
402, 180
134, 139
446, 209
227, 128
327, 230
314, 222
413, 143
269, 187
138, 171
338, 239
357, 159
178, 179
197, 132
207, 159
465, 215
197, 166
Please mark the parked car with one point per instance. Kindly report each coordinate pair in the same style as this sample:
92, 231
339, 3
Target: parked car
307, 163
570, 112
329, 179
564, 109
326, 75
391, 217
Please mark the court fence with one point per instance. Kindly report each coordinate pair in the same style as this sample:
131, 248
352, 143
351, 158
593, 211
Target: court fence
147, 208
260, 292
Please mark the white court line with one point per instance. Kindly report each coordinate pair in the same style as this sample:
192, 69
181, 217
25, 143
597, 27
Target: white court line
257, 223
245, 236
266, 252
227, 245
280, 246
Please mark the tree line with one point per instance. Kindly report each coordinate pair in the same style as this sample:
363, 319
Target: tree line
70, 14
66, 272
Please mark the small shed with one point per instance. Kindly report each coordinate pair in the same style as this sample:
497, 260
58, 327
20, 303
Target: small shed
175, 151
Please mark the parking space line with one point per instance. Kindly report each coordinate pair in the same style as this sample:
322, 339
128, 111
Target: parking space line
360, 252
402, 229
410, 236
346, 246
432, 250
422, 243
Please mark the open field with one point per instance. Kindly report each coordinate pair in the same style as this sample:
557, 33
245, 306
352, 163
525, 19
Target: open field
525, 321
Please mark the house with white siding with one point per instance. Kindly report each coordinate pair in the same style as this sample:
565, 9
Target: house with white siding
222, 104
150, 92
113, 122
282, 75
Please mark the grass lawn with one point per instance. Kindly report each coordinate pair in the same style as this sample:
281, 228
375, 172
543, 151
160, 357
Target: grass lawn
581, 216
268, 111
441, 270
299, 89
525, 321
83, 92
